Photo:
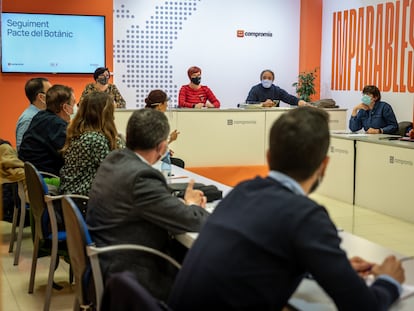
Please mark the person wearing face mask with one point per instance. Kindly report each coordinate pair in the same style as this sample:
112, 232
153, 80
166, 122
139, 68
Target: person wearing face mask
158, 100
130, 203
101, 77
372, 114
35, 90
91, 135
195, 95
268, 95
266, 235
46, 135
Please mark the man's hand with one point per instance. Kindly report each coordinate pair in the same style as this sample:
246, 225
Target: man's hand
392, 267
361, 266
209, 105
268, 103
193, 196
373, 131
199, 105
302, 103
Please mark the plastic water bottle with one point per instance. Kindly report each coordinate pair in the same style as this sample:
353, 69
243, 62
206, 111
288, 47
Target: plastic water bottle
166, 166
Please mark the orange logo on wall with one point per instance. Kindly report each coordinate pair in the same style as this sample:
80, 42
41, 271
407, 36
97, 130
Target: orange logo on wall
240, 33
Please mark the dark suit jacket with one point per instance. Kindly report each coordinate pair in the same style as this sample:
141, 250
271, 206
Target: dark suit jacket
43, 140
129, 202
256, 247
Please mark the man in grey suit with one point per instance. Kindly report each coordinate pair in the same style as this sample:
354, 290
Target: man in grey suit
130, 202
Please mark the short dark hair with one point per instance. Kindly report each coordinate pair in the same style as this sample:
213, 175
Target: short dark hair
33, 87
267, 70
372, 90
58, 95
99, 71
299, 142
155, 97
146, 128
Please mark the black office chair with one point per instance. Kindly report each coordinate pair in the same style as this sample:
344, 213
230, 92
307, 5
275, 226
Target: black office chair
403, 126
177, 162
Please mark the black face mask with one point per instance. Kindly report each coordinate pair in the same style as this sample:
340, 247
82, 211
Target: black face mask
315, 184
196, 80
103, 81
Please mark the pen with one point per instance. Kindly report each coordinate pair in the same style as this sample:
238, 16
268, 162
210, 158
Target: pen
406, 258
178, 177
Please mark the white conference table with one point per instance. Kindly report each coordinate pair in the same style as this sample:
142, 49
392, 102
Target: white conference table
224, 137
371, 171
309, 296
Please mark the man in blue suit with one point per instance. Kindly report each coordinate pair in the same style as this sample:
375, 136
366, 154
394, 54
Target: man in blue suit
266, 235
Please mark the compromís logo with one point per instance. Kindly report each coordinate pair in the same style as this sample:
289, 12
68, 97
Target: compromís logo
241, 34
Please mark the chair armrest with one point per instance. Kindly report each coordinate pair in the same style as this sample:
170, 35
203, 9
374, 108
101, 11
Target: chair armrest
49, 197
92, 250
48, 174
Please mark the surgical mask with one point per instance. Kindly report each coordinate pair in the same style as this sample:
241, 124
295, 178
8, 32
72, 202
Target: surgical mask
366, 99
103, 80
196, 80
267, 83
157, 165
75, 111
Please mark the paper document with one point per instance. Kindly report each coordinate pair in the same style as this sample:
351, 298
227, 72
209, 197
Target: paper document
408, 290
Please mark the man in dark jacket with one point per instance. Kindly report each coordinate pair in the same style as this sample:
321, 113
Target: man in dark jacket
266, 235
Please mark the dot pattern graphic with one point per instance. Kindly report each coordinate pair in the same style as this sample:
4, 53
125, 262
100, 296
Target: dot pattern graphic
145, 48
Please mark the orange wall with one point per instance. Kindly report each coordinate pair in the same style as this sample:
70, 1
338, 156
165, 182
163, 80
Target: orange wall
310, 43
12, 98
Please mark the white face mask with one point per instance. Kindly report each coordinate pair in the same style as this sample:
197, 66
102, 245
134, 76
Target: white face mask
157, 165
267, 83
75, 111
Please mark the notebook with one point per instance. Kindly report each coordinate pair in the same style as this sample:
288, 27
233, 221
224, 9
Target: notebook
406, 139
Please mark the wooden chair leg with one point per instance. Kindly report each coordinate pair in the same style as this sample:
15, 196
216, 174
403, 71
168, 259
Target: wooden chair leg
52, 267
34, 263
20, 234
13, 231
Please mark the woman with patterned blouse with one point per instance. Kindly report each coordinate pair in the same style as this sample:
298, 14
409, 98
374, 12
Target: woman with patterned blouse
101, 77
90, 137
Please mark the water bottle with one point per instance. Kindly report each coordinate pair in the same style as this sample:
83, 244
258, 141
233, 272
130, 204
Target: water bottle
166, 166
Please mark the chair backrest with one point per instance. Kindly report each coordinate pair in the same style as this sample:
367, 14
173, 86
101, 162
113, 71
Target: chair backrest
178, 162
37, 189
78, 234
77, 238
403, 126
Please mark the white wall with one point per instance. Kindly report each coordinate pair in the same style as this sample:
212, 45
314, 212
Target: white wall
401, 100
205, 36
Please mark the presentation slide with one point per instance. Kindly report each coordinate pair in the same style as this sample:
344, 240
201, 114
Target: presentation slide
46, 43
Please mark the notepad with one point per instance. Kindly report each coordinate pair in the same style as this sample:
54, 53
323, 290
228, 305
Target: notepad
408, 290
407, 139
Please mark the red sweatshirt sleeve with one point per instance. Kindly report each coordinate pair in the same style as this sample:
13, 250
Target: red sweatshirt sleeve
182, 97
